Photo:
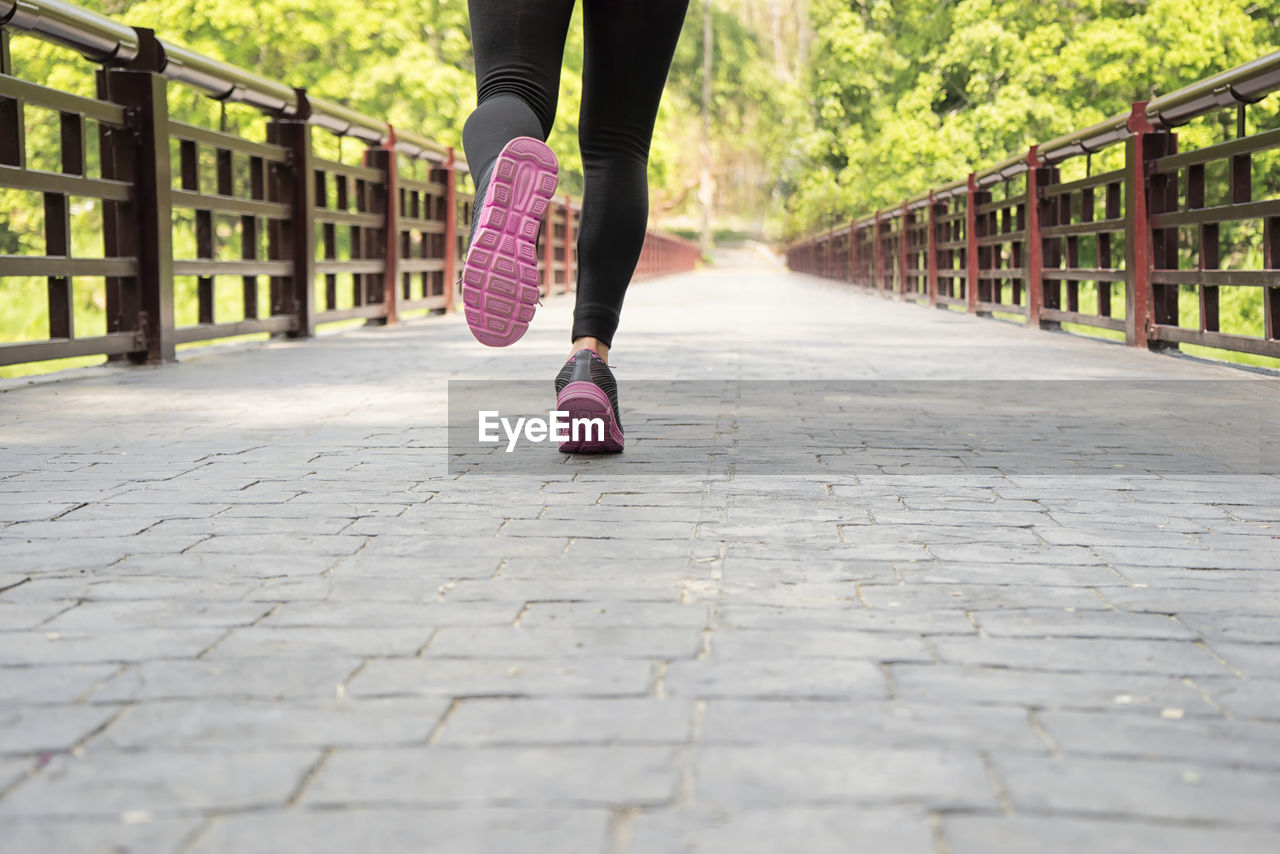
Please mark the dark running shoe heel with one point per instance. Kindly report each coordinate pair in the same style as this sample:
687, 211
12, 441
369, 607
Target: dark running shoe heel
586, 389
500, 273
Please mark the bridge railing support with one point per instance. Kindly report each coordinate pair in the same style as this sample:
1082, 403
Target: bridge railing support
144, 95
292, 241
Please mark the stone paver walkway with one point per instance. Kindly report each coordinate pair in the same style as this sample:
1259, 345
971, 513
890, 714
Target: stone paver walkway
245, 607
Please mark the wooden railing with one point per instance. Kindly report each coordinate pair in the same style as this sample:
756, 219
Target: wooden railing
1016, 240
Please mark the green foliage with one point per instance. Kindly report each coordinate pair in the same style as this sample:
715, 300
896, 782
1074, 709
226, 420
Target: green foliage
909, 94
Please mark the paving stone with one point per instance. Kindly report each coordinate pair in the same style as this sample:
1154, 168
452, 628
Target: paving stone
1236, 743
894, 724
245, 678
814, 830
12, 770
316, 525
108, 510
475, 830
497, 721
160, 783
86, 647
1233, 629
85, 552
972, 597
33, 512
51, 683
1252, 698
1251, 659
980, 834
506, 677
1266, 582
29, 615
398, 545
1080, 624
834, 678
1116, 692
610, 614
1180, 790
638, 589
848, 618
1156, 601
313, 509
526, 776
800, 644
247, 566
226, 724
1121, 655
140, 833
67, 528
1016, 554
131, 588
392, 614
783, 775
1196, 558
668, 573
315, 642
256, 544
423, 524
32, 729
979, 572
151, 613
549, 642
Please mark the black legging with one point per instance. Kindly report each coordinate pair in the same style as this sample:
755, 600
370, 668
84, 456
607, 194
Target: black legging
519, 47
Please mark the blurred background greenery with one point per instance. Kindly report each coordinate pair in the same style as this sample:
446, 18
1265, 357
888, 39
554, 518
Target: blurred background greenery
818, 110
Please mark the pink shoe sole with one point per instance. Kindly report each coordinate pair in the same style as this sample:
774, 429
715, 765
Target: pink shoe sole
500, 273
584, 400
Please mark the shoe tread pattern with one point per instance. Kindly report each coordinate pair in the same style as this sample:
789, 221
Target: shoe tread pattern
500, 273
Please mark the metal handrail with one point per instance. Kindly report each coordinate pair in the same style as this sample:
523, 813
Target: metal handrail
419, 146
95, 36
227, 82
1086, 141
347, 122
1243, 84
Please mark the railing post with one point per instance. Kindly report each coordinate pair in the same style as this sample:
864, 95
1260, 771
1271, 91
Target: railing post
877, 249
931, 248
450, 233
384, 158
852, 253
294, 238
1033, 273
1141, 148
971, 236
904, 250
149, 214
569, 260
548, 249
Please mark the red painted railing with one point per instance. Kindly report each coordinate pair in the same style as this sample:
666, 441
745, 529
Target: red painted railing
1018, 241
330, 240
663, 254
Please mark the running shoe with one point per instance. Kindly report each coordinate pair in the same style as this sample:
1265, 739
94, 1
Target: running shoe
500, 272
586, 389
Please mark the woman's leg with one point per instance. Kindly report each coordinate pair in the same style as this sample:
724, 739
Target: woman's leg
519, 48
629, 47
